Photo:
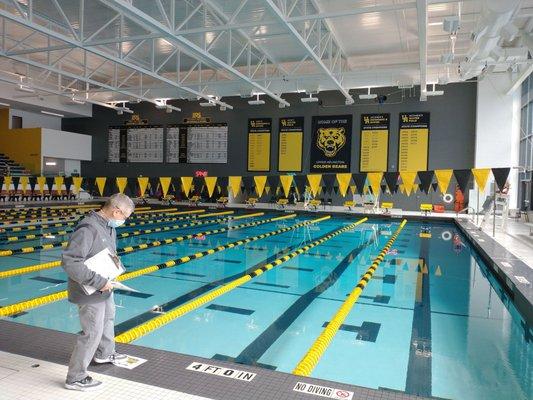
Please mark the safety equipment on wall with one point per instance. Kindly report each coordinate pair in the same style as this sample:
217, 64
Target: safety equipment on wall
447, 198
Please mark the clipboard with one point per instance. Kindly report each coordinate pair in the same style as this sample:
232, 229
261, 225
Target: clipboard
106, 264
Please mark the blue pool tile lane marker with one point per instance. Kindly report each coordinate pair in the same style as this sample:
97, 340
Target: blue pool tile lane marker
368, 331
315, 352
418, 380
258, 347
234, 310
184, 298
164, 319
42, 300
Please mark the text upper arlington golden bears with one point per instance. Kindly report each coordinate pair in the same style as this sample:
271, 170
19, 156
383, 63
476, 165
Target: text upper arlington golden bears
331, 140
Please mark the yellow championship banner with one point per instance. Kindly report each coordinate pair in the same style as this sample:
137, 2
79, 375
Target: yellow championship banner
290, 144
374, 142
413, 148
259, 130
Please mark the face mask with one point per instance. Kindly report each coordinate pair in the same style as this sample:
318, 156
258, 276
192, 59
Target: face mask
115, 223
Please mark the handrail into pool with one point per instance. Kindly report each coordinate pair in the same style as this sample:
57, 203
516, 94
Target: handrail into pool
315, 352
157, 322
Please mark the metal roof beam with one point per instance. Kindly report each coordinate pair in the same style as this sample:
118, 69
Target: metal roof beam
422, 17
200, 54
278, 13
119, 61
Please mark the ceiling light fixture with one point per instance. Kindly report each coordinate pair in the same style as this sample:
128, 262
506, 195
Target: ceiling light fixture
435, 92
51, 163
257, 101
309, 99
368, 95
52, 113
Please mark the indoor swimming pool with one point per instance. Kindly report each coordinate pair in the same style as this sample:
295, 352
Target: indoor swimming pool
432, 321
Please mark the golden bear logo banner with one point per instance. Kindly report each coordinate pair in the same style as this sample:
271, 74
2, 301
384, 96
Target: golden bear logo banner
331, 146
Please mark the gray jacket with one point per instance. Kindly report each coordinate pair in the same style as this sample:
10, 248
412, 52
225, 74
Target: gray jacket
91, 235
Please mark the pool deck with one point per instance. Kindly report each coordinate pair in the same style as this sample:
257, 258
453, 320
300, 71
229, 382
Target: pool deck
163, 369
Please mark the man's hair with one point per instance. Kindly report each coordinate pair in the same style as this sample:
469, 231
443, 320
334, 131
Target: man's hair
120, 201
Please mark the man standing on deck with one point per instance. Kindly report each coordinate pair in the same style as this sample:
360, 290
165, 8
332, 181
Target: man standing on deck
97, 311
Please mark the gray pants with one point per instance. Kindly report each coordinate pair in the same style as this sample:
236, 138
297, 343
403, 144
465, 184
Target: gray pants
96, 339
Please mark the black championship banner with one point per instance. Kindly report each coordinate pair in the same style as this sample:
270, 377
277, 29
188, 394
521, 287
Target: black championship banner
331, 145
290, 144
374, 142
259, 144
413, 139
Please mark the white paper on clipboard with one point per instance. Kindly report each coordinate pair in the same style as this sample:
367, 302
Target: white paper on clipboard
106, 264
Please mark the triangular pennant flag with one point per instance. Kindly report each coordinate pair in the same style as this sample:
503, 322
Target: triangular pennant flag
353, 189
198, 185
76, 183
415, 187
374, 178
443, 179
481, 175
100, 183
408, 181
7, 182
344, 182
222, 185
299, 182
234, 183
24, 180
435, 186
121, 183
33, 182
359, 180
186, 182
143, 184
286, 182
500, 176
314, 183
384, 189
329, 182
248, 184
41, 181
426, 177
391, 178
401, 188
210, 182
165, 184
462, 176
260, 182
273, 183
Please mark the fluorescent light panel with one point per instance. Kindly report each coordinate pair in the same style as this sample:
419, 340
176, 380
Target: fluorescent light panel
52, 113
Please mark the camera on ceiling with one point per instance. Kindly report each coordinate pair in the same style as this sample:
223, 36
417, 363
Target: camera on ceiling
380, 99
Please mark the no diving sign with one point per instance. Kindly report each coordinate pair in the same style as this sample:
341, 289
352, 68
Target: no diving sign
220, 371
323, 391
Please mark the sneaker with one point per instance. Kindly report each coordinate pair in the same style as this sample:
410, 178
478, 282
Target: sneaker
112, 358
85, 385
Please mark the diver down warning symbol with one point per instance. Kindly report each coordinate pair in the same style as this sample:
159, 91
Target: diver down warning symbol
323, 391
220, 371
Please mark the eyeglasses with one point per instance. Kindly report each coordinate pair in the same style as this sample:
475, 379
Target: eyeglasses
124, 214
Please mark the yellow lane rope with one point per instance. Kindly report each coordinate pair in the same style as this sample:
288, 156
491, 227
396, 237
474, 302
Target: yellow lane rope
55, 245
315, 352
157, 322
14, 216
42, 300
44, 209
53, 264
65, 232
126, 225
40, 221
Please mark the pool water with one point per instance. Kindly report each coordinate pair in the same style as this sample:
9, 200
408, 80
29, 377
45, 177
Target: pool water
432, 321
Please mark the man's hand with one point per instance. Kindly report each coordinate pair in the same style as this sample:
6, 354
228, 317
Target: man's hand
107, 287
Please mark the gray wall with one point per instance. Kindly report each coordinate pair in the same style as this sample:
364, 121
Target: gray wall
452, 136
